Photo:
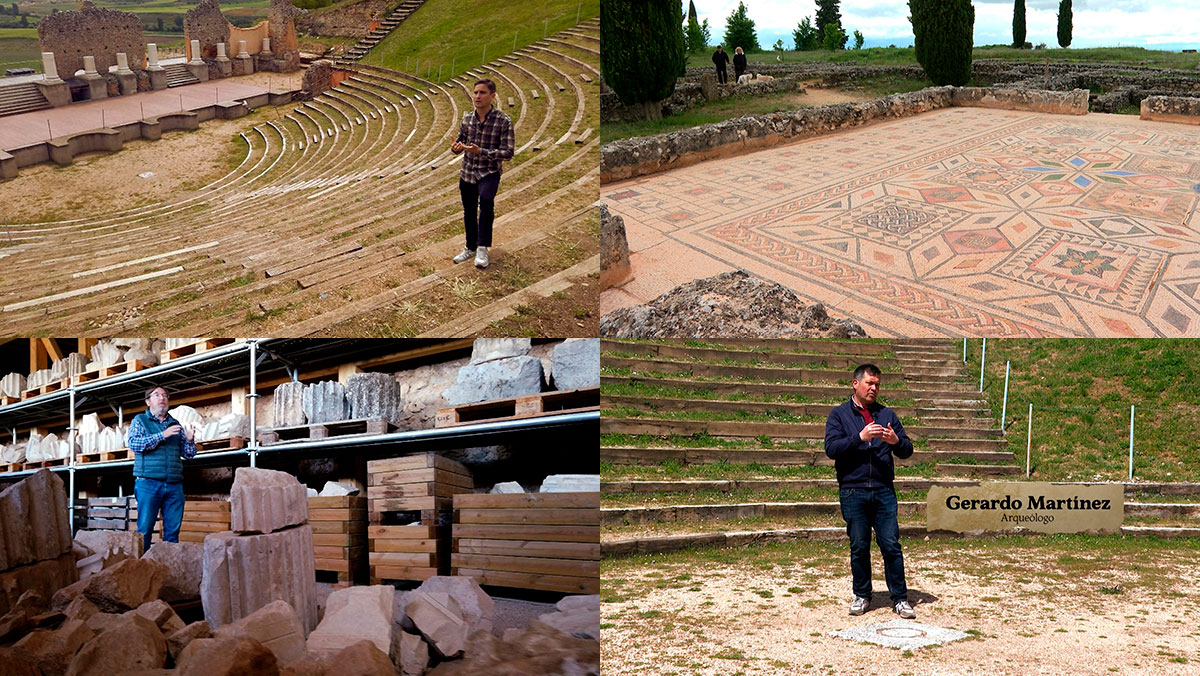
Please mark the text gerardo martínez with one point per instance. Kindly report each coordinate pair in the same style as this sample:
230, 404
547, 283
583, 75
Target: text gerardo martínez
1034, 507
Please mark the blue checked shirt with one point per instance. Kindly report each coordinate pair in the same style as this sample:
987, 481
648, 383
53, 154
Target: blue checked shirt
142, 440
494, 136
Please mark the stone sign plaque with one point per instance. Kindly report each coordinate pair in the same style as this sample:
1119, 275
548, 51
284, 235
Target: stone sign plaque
1042, 507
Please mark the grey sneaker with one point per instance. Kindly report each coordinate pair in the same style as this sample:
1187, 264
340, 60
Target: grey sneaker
481, 257
859, 605
904, 610
464, 255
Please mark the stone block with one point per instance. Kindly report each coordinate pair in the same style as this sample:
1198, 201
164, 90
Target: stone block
129, 643
126, 585
326, 402
571, 483
576, 364
352, 615
439, 619
179, 640
18, 665
187, 416
490, 349
414, 654
499, 379
13, 385
577, 618
12, 453
33, 521
507, 487
333, 489
19, 619
614, 249
276, 626
265, 500
162, 615
53, 649
375, 395
288, 405
230, 656
474, 605
185, 567
243, 573
362, 658
108, 542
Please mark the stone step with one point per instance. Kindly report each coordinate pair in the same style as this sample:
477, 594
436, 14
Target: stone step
966, 444
619, 486
944, 417
775, 457
823, 392
783, 345
959, 438
683, 353
952, 469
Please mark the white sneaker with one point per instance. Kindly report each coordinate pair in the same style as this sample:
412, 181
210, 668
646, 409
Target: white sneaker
904, 610
859, 605
481, 257
463, 255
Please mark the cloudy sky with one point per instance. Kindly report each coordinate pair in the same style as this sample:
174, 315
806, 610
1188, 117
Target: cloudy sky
1158, 24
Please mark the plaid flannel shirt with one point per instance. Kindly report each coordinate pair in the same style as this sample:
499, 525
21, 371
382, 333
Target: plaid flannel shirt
494, 136
142, 440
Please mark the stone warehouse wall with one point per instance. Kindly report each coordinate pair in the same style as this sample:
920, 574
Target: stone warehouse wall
628, 158
91, 31
1171, 109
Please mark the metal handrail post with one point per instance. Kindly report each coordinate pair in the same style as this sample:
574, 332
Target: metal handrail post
1004, 409
1029, 441
253, 396
1131, 413
71, 464
982, 362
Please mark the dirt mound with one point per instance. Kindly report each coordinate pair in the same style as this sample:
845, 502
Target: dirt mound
730, 305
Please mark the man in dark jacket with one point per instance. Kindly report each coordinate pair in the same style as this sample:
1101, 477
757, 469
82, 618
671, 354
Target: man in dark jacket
861, 436
720, 58
158, 442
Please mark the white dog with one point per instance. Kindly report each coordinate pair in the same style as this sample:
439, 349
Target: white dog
749, 78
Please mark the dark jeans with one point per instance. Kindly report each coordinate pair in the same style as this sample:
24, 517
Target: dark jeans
153, 495
721, 76
864, 509
482, 197
737, 73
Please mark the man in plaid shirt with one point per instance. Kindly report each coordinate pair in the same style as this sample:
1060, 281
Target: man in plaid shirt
158, 442
486, 136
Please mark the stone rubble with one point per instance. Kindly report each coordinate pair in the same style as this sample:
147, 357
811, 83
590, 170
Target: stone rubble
275, 626
352, 615
185, 567
438, 617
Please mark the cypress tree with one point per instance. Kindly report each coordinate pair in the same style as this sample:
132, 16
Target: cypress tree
827, 13
1065, 19
643, 51
692, 12
1019, 24
694, 36
943, 32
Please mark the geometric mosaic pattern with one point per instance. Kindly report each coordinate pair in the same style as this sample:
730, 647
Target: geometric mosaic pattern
962, 221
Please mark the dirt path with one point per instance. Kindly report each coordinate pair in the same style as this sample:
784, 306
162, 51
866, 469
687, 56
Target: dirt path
816, 96
1029, 609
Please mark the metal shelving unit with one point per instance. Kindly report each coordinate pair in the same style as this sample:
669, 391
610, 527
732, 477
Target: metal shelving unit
245, 362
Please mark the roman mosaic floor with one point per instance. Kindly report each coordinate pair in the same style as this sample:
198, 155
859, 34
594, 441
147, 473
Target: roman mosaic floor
963, 221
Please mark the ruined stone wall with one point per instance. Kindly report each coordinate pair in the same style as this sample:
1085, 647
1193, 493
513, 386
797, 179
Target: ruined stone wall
628, 158
688, 94
253, 37
90, 31
284, 42
1171, 109
205, 23
318, 78
1074, 102
347, 21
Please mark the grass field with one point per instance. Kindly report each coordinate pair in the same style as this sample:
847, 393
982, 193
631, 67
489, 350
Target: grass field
449, 36
903, 56
1081, 392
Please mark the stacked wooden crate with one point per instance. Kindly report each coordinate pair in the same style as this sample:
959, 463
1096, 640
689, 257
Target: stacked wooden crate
109, 513
339, 525
417, 488
200, 517
547, 541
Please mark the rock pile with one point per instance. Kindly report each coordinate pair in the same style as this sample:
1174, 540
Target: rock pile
35, 539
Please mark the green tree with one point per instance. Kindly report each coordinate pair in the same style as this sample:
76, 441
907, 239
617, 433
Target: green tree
694, 35
858, 39
706, 32
1019, 24
691, 11
943, 32
833, 37
643, 51
1065, 19
805, 36
739, 31
828, 13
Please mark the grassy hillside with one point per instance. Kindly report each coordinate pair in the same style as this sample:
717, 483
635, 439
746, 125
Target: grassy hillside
451, 35
894, 56
1081, 391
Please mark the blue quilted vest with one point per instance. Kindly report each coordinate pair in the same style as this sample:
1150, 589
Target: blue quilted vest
163, 462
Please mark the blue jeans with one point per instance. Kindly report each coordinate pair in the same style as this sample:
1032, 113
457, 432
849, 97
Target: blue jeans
864, 509
153, 495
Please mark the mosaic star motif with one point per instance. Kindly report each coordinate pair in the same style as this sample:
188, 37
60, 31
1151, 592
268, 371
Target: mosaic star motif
1086, 262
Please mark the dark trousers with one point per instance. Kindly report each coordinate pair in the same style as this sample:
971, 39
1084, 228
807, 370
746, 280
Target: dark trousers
738, 72
153, 495
479, 209
864, 509
721, 76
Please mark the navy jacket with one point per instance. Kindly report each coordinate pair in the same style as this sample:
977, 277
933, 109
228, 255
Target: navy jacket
860, 464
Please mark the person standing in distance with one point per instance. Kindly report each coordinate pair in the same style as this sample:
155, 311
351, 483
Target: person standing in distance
719, 59
486, 136
862, 436
158, 442
739, 64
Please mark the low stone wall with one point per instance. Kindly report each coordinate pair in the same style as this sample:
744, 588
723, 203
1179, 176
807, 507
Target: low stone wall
1074, 102
691, 93
1171, 109
628, 158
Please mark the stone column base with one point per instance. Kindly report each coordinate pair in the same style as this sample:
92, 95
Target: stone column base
97, 87
198, 71
158, 78
57, 93
128, 83
225, 66
243, 65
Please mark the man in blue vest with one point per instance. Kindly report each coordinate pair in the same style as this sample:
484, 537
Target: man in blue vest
861, 436
158, 441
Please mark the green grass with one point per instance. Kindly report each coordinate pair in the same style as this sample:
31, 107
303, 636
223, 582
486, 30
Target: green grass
903, 56
672, 470
716, 111
1081, 391
452, 35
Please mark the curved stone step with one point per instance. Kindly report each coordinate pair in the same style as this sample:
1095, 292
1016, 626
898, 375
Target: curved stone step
953, 469
785, 430
945, 417
633, 455
682, 352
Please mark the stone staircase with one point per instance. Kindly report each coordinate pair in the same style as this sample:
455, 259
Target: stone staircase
21, 98
722, 443
178, 75
373, 38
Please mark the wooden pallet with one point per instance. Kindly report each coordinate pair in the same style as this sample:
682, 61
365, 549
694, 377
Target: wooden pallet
339, 535
5, 400
116, 454
101, 372
46, 463
202, 345
399, 553
545, 541
533, 405
341, 428
49, 387
221, 444
11, 467
200, 517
